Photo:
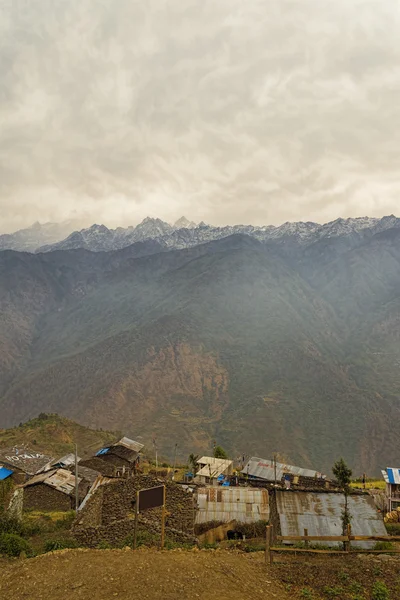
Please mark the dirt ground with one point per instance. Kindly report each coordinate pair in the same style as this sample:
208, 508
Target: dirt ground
169, 575
205, 574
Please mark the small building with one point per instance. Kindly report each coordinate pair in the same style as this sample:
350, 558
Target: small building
23, 461
321, 512
55, 490
61, 463
392, 478
241, 504
211, 468
271, 471
124, 453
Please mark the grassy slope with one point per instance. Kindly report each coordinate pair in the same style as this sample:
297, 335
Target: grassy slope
55, 436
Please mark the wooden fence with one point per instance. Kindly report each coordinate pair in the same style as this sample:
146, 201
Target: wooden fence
345, 539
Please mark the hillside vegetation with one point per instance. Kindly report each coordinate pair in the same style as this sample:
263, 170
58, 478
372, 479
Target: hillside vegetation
55, 436
262, 347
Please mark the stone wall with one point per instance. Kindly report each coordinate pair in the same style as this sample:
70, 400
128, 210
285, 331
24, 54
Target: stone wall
109, 514
43, 497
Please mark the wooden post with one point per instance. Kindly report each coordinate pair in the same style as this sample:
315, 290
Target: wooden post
268, 553
163, 522
306, 541
136, 521
348, 534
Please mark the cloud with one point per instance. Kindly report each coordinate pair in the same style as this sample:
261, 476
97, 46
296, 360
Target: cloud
224, 111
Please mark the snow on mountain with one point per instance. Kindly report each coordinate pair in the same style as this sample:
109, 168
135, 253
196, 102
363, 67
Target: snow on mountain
184, 223
185, 234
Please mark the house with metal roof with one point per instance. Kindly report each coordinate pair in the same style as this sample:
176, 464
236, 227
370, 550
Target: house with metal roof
241, 504
55, 490
272, 471
392, 478
125, 452
211, 468
23, 459
61, 463
321, 514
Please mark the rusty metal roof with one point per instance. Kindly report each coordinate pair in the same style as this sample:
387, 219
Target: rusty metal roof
245, 505
23, 458
60, 479
265, 469
321, 513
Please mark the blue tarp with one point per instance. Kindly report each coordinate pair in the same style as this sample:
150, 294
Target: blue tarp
102, 451
4, 473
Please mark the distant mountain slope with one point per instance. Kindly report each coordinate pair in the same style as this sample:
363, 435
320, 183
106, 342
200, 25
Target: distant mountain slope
235, 340
30, 239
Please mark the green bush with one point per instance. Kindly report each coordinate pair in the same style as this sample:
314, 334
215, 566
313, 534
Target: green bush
383, 546
52, 545
12, 544
103, 545
380, 591
393, 528
66, 521
10, 525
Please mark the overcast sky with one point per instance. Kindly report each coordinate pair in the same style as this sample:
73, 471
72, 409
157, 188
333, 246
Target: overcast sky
227, 111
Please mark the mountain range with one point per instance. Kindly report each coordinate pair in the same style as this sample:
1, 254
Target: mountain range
264, 339
185, 234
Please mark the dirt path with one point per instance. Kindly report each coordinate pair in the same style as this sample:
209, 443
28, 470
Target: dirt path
108, 574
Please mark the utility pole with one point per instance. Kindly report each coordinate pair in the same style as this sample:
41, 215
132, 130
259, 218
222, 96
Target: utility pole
275, 468
76, 479
173, 472
155, 448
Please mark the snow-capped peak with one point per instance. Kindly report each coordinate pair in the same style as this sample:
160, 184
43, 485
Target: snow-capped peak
184, 223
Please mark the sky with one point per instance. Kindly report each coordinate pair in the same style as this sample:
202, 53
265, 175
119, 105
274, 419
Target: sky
225, 111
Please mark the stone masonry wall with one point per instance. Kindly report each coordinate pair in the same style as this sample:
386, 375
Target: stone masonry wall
43, 497
114, 522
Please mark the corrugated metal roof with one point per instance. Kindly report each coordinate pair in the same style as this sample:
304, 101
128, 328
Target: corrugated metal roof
64, 461
4, 473
124, 442
21, 457
215, 466
131, 444
265, 469
244, 505
60, 479
391, 475
321, 513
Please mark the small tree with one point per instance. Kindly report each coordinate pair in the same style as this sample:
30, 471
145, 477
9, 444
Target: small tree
342, 475
193, 458
220, 452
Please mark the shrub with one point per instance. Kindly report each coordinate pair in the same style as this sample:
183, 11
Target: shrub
10, 525
383, 546
61, 544
393, 528
380, 591
103, 545
66, 521
12, 544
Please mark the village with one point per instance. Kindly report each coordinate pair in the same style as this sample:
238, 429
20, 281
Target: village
211, 500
